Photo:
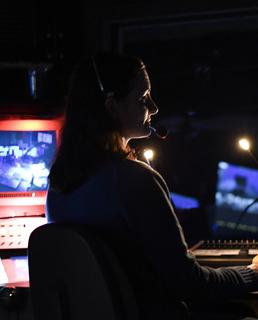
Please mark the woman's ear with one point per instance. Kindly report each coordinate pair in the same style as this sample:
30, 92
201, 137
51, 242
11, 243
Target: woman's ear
111, 106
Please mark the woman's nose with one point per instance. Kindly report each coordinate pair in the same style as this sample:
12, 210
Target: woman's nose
153, 109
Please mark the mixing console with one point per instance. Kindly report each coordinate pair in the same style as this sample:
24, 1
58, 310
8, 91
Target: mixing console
225, 247
15, 232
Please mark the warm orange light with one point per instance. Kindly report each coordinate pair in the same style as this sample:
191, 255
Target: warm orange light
32, 125
244, 144
148, 154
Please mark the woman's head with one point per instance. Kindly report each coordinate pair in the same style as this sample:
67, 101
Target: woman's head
109, 103
134, 111
107, 91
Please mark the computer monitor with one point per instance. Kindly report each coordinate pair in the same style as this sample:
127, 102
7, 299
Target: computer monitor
236, 190
27, 150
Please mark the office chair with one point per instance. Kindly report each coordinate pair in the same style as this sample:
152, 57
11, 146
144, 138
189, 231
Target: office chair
74, 275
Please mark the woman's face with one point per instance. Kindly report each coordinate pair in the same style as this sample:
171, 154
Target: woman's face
134, 112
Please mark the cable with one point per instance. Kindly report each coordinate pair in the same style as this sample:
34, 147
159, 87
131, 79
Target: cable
251, 153
244, 212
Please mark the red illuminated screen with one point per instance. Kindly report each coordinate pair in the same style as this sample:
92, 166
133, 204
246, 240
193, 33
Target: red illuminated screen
25, 159
27, 150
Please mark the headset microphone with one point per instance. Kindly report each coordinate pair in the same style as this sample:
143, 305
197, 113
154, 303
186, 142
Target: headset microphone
161, 132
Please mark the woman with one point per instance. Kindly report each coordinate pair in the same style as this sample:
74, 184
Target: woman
96, 180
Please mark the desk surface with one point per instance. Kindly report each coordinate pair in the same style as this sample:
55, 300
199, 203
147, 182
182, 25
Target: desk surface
14, 272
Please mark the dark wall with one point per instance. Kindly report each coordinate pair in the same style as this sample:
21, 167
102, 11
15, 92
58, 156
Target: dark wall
203, 53
201, 56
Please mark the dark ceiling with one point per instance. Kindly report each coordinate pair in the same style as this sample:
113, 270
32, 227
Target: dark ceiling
202, 56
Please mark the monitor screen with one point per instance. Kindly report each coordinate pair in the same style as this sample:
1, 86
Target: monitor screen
25, 159
237, 187
236, 209
182, 201
27, 150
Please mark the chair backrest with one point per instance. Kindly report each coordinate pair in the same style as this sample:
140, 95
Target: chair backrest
74, 275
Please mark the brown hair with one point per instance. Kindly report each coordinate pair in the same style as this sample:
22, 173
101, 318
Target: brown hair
90, 135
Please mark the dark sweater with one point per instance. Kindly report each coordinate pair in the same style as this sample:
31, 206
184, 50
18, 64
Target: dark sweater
129, 202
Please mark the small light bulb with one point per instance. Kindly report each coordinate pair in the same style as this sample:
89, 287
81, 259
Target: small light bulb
244, 144
148, 154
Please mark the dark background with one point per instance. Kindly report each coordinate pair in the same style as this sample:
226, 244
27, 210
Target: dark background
202, 57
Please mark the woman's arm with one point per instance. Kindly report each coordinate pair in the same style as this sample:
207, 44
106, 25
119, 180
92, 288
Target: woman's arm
152, 220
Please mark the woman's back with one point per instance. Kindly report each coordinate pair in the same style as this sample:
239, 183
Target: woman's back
98, 204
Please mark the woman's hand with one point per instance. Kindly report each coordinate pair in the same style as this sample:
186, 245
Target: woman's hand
254, 265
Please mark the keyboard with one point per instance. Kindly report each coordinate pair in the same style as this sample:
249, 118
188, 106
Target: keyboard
225, 252
225, 247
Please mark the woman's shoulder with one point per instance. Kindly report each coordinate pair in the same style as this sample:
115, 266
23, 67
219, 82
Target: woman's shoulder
139, 172
136, 166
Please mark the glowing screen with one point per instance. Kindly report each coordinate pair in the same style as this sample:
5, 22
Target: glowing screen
236, 207
25, 159
237, 187
184, 202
